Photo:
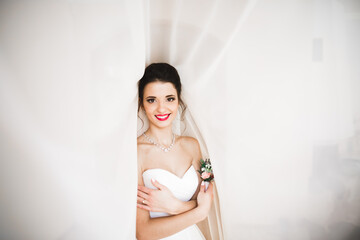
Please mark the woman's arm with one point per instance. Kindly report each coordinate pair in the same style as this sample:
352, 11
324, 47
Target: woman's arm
162, 200
155, 228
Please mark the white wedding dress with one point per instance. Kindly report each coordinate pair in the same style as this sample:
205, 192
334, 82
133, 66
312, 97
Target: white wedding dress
183, 189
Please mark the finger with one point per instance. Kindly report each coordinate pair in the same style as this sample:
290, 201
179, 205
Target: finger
210, 188
147, 193
143, 202
157, 184
202, 186
142, 195
144, 189
144, 207
140, 199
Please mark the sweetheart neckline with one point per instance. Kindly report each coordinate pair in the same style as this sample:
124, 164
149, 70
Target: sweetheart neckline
192, 166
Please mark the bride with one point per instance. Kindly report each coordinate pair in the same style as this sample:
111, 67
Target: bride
171, 197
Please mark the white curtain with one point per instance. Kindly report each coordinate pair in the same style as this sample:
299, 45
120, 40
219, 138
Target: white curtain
272, 89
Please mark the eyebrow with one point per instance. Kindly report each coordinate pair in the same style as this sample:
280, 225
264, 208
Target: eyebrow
165, 96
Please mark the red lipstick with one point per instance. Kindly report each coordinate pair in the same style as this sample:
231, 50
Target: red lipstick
162, 117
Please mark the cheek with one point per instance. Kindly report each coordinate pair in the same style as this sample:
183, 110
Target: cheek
175, 107
146, 107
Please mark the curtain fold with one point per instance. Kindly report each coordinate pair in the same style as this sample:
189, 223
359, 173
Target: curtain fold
273, 97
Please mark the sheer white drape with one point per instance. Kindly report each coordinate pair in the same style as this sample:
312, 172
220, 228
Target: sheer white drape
273, 95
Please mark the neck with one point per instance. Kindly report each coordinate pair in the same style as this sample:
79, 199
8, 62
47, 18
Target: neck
162, 136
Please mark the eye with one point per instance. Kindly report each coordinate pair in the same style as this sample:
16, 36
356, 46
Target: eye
170, 99
151, 100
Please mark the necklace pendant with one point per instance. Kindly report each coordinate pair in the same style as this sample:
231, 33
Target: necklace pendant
158, 145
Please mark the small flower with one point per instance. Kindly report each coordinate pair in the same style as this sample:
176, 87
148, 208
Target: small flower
205, 175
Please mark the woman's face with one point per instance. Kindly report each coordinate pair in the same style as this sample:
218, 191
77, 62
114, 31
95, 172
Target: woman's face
160, 103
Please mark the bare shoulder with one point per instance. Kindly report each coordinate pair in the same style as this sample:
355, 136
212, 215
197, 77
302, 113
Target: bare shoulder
141, 141
188, 141
143, 144
190, 145
140, 144
143, 148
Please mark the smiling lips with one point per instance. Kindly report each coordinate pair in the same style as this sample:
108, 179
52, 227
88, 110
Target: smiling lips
162, 117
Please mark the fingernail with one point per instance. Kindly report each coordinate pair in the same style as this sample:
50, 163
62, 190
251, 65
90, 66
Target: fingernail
153, 180
202, 183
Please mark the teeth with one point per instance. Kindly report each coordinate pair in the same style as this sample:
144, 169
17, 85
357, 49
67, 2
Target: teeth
162, 117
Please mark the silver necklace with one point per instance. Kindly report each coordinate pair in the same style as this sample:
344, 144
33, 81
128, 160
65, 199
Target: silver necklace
158, 145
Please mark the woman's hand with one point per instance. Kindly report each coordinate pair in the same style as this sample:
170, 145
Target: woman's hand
205, 198
157, 200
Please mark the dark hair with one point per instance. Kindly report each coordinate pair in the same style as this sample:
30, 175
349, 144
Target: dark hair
160, 72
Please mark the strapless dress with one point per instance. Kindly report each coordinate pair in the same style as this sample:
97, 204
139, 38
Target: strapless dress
182, 188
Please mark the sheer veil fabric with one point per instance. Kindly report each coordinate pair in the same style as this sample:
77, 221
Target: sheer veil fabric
273, 97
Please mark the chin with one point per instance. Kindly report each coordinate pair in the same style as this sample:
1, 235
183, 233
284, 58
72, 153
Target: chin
165, 124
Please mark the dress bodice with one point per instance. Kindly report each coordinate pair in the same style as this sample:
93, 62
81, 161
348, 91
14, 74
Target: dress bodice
182, 188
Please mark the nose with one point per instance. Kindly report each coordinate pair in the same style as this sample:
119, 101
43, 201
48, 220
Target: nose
161, 107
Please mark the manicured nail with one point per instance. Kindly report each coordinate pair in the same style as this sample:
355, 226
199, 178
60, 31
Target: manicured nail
202, 183
153, 180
